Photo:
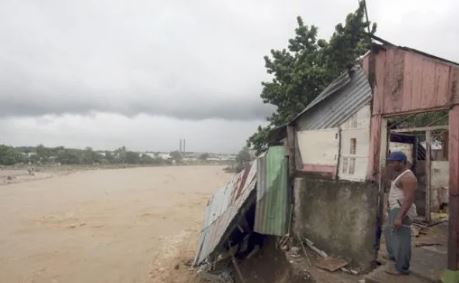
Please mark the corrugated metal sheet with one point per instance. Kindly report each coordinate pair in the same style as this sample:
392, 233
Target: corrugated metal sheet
223, 210
272, 209
336, 104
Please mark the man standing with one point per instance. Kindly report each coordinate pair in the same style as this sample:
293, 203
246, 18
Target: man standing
400, 214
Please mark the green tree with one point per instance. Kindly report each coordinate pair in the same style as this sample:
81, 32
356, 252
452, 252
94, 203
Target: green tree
204, 156
43, 153
89, 156
68, 156
109, 157
132, 157
176, 155
243, 158
307, 66
9, 155
120, 155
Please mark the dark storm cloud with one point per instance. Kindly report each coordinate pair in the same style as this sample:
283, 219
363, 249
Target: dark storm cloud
193, 106
185, 59
172, 59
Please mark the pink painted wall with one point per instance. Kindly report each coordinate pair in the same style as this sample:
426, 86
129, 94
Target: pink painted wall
407, 82
453, 158
410, 82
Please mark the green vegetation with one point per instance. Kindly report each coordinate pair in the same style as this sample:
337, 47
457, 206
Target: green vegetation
176, 156
307, 66
243, 158
9, 155
204, 156
59, 155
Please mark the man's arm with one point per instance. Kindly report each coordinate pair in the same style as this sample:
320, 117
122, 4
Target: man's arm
408, 184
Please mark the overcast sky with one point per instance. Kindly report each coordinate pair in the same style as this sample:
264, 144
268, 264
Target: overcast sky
145, 73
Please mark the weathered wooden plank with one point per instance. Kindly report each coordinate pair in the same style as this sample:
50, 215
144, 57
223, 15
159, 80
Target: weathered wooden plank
453, 240
374, 147
420, 129
428, 176
291, 150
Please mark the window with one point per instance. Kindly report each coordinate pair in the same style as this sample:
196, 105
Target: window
352, 165
345, 161
353, 149
352, 122
349, 162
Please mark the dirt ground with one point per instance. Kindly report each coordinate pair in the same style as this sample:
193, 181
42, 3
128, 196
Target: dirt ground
116, 225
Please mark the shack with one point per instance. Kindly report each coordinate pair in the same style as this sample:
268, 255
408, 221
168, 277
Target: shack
322, 177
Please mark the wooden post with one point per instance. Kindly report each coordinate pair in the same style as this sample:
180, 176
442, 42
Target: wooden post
428, 217
453, 158
291, 150
383, 149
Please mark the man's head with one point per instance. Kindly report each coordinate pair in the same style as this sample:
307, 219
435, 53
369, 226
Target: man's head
397, 160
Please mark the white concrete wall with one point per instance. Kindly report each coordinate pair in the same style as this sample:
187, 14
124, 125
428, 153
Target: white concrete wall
318, 146
353, 166
440, 183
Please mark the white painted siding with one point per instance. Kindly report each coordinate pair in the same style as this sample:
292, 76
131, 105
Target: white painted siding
354, 159
440, 183
318, 147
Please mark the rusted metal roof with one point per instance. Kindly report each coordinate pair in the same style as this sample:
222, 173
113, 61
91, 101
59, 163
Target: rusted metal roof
338, 102
272, 208
223, 210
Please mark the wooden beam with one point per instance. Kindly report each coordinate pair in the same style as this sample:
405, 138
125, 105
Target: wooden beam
291, 150
453, 158
428, 217
383, 150
420, 129
338, 162
238, 270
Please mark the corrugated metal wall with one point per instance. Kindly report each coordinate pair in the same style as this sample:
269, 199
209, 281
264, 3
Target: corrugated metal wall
222, 209
272, 209
329, 110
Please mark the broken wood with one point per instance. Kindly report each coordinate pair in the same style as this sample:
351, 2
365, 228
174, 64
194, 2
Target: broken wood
304, 249
331, 263
312, 247
427, 244
238, 271
420, 129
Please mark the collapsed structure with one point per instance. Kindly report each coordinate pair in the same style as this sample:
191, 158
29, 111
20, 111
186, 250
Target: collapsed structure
322, 177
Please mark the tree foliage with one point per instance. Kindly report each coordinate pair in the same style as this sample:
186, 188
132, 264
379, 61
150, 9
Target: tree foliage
243, 158
204, 156
307, 66
69, 156
9, 155
176, 155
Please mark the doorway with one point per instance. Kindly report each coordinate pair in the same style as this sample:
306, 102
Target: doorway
424, 139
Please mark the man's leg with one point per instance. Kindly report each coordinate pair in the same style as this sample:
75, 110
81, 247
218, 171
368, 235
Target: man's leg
403, 254
387, 230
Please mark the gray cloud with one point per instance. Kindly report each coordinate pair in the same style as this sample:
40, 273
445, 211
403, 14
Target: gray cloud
186, 59
173, 59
